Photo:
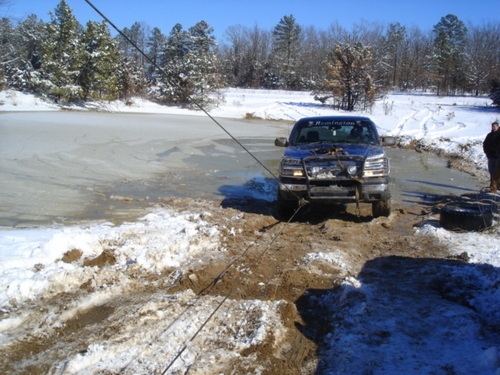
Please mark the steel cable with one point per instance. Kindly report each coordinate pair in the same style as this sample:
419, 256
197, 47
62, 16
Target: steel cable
221, 274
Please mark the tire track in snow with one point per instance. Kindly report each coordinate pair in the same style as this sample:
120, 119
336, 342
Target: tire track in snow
423, 124
401, 124
292, 107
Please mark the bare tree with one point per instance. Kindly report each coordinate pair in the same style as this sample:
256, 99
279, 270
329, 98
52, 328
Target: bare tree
393, 42
482, 56
245, 56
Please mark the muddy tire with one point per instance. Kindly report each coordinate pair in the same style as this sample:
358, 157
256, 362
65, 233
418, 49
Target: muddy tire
465, 216
381, 208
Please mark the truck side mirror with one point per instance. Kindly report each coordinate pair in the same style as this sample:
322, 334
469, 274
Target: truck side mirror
388, 141
281, 142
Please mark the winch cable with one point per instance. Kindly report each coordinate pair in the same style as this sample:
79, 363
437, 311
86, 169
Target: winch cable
198, 105
205, 291
302, 202
195, 102
335, 151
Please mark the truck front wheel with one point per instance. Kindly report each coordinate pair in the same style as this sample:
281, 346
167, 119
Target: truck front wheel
381, 208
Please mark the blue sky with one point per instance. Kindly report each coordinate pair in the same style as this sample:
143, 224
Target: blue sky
265, 14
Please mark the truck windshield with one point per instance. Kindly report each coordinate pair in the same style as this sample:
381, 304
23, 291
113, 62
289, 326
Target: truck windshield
334, 132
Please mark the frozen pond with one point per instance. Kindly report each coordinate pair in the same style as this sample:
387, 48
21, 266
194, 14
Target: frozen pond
67, 167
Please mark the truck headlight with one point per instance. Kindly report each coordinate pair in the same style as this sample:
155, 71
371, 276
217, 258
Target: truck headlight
376, 166
291, 168
352, 169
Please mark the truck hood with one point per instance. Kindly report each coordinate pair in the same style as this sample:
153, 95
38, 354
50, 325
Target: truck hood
351, 149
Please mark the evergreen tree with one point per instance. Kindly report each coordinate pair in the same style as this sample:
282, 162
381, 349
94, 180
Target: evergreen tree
204, 78
134, 66
174, 86
31, 33
287, 36
126, 77
7, 49
98, 63
449, 44
58, 59
156, 44
137, 34
27, 41
60, 66
190, 65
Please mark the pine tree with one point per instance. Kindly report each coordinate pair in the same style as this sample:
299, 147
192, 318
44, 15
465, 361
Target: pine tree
155, 48
7, 49
189, 63
98, 63
132, 74
27, 42
204, 76
449, 43
287, 36
174, 86
61, 59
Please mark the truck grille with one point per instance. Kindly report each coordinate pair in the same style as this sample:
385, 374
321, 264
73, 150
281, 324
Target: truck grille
331, 167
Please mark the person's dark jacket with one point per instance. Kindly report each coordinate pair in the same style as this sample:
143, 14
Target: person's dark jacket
491, 145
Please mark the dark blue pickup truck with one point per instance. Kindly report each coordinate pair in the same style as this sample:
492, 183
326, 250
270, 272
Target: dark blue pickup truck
336, 159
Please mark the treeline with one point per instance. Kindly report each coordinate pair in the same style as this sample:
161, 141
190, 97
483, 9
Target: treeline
65, 61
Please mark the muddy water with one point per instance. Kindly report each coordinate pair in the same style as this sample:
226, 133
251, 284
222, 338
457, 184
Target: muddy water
63, 168
419, 177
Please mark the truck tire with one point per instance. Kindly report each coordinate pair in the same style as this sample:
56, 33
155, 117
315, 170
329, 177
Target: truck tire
381, 208
465, 216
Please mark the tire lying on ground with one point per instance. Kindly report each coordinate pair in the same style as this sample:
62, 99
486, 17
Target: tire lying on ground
465, 216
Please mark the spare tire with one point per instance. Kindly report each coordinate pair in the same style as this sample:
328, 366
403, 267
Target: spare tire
466, 216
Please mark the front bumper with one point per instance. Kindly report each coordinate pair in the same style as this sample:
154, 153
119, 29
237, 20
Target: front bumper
371, 190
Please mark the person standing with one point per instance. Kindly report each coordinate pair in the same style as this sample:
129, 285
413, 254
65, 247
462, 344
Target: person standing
491, 146
495, 180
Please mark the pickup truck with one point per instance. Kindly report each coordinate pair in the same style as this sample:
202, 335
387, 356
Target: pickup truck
334, 159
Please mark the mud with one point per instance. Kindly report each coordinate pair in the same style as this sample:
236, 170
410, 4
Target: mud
266, 260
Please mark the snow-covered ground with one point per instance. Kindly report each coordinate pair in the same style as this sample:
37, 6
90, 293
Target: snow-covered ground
31, 266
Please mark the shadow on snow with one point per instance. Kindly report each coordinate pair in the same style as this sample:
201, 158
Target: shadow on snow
406, 316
